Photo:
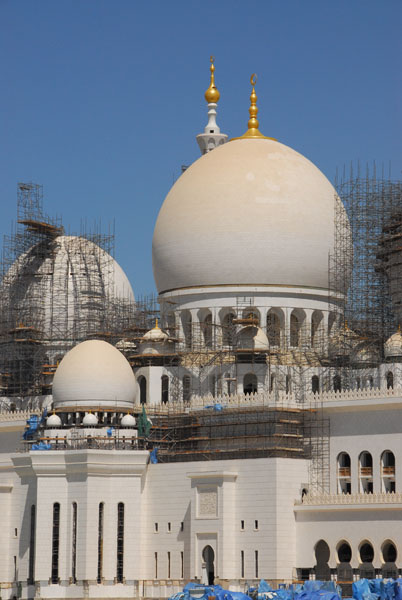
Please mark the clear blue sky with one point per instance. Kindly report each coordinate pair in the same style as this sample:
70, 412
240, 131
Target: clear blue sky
101, 99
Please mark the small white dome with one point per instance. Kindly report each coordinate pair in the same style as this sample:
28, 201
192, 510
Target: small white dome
90, 420
94, 374
128, 421
156, 335
393, 346
53, 421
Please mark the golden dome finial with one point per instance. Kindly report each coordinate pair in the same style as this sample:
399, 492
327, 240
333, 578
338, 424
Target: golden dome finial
156, 324
212, 94
253, 131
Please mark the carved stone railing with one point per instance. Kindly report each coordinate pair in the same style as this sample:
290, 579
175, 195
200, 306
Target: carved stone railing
17, 415
356, 395
337, 499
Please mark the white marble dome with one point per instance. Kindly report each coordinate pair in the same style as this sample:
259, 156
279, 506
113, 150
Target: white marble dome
393, 346
90, 420
155, 335
252, 212
53, 421
128, 421
94, 375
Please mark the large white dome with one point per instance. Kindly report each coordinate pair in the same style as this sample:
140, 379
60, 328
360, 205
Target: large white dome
94, 374
67, 284
252, 212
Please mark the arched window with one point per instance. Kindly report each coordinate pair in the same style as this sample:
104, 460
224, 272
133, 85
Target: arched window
31, 568
250, 383
120, 543
337, 383
315, 384
74, 544
322, 569
388, 471
142, 382
186, 388
100, 542
294, 331
390, 380
288, 384
55, 543
273, 329
366, 472
228, 330
358, 383
207, 330
389, 552
164, 389
344, 473
272, 383
366, 552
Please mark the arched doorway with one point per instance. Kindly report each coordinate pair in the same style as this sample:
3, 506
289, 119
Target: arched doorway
208, 558
250, 383
322, 570
142, 382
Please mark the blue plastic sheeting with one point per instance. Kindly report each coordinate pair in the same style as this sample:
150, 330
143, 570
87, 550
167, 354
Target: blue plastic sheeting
109, 431
209, 590
33, 423
377, 589
398, 589
264, 590
218, 407
311, 590
154, 456
41, 446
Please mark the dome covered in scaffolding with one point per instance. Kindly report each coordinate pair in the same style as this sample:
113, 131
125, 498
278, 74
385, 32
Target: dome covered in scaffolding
94, 375
66, 287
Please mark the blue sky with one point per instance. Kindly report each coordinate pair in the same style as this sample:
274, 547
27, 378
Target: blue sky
101, 99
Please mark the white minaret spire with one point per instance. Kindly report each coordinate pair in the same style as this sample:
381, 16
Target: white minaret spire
212, 136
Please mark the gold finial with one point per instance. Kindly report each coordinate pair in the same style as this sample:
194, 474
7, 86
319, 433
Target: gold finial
156, 324
253, 132
212, 94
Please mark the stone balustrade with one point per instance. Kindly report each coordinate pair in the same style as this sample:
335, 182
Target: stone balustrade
326, 499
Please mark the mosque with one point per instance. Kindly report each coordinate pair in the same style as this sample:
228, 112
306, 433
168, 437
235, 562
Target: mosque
253, 431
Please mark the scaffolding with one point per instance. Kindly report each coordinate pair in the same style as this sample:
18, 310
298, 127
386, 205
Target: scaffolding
56, 291
366, 267
255, 426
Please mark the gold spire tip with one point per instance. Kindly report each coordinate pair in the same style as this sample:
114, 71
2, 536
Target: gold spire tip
156, 324
212, 94
253, 132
